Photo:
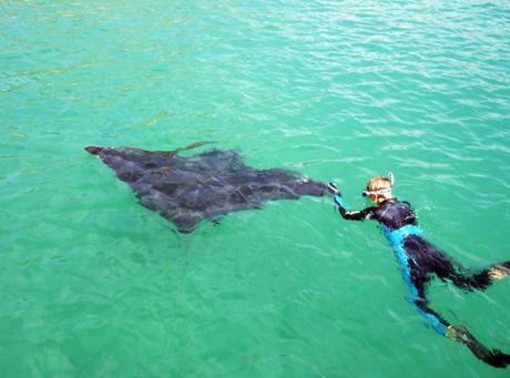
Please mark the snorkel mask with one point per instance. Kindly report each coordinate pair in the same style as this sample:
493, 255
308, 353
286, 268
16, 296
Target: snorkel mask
383, 192
386, 192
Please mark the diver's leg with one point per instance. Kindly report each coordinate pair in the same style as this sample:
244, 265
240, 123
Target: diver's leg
418, 280
460, 276
493, 357
414, 261
467, 279
431, 259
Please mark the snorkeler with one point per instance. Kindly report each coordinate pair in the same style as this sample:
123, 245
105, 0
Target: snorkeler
419, 259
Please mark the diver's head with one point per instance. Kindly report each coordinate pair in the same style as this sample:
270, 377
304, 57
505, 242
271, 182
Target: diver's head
379, 188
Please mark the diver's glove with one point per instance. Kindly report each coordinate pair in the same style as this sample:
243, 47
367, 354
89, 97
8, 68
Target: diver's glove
333, 189
337, 196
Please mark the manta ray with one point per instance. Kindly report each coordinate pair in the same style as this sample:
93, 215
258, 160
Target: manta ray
207, 185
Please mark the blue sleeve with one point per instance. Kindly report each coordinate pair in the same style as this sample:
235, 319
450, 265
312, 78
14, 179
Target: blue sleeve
339, 201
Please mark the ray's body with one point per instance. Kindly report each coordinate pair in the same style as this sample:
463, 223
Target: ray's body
186, 190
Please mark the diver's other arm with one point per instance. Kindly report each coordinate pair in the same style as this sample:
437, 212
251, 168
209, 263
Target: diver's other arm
342, 207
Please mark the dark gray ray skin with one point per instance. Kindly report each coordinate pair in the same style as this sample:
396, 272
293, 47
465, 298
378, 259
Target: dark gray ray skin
186, 190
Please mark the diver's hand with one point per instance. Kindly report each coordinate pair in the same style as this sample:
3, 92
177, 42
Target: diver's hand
333, 189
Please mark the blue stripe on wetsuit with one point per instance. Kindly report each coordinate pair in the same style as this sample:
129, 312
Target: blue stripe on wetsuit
340, 201
396, 239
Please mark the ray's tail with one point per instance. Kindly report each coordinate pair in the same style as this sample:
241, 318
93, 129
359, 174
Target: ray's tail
186, 148
96, 150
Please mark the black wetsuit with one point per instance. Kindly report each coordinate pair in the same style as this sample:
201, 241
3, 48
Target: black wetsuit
419, 260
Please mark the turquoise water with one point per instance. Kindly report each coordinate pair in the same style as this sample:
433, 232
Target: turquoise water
94, 285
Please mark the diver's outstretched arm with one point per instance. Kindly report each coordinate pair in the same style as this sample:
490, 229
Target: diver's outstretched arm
342, 207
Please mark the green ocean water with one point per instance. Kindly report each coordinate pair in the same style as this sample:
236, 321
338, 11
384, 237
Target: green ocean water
94, 285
